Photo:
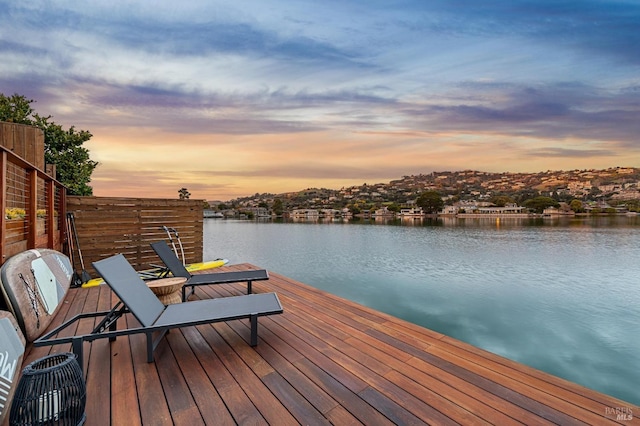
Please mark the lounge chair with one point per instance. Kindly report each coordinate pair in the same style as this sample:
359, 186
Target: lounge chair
153, 316
176, 267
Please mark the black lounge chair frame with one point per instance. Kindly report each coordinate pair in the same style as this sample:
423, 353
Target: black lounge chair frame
154, 317
177, 269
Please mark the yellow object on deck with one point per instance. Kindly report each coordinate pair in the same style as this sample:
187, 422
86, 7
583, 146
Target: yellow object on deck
211, 264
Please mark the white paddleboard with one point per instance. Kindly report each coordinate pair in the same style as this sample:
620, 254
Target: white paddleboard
47, 284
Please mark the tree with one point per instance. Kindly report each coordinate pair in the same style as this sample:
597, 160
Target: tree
576, 206
594, 192
502, 200
184, 193
61, 147
538, 204
16, 109
524, 194
394, 207
633, 205
430, 201
278, 207
64, 149
353, 208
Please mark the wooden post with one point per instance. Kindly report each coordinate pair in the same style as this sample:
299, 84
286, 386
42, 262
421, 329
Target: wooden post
3, 204
62, 214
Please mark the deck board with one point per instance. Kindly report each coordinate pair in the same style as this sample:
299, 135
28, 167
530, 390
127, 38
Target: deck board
128, 391
326, 360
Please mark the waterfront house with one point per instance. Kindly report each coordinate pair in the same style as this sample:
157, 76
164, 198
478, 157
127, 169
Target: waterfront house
411, 212
384, 212
305, 214
258, 211
450, 210
330, 213
510, 210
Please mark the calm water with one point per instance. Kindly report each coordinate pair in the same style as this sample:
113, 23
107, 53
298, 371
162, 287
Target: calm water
561, 296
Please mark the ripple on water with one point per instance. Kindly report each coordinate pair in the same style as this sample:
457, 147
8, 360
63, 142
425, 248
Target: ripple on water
560, 298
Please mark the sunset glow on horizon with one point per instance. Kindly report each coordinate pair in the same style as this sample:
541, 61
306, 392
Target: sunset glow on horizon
228, 100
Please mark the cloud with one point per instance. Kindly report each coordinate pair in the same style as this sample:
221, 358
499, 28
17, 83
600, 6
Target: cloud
286, 93
571, 153
555, 111
600, 27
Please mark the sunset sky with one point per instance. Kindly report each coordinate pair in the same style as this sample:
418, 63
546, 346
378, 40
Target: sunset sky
232, 98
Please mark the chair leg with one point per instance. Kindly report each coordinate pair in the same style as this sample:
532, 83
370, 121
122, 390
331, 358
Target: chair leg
76, 346
185, 296
150, 347
113, 327
249, 286
254, 330
152, 343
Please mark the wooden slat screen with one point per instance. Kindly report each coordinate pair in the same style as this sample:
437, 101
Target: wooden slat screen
111, 225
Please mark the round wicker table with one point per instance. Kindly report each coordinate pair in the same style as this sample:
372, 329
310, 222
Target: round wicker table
167, 289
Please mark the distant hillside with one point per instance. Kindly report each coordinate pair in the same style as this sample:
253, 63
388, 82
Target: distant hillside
618, 183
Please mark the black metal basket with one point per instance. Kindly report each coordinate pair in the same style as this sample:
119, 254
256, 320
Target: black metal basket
51, 391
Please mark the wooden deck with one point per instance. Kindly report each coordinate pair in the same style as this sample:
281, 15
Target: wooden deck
326, 360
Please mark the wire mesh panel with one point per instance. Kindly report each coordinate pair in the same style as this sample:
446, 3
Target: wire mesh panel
16, 204
41, 207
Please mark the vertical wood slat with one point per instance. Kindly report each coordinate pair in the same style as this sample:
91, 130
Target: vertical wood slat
38, 152
19, 141
5, 136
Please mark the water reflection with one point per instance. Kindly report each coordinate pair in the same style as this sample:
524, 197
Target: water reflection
558, 294
491, 222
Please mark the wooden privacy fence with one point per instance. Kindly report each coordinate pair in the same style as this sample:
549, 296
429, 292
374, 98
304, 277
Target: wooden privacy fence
27, 142
110, 225
33, 207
